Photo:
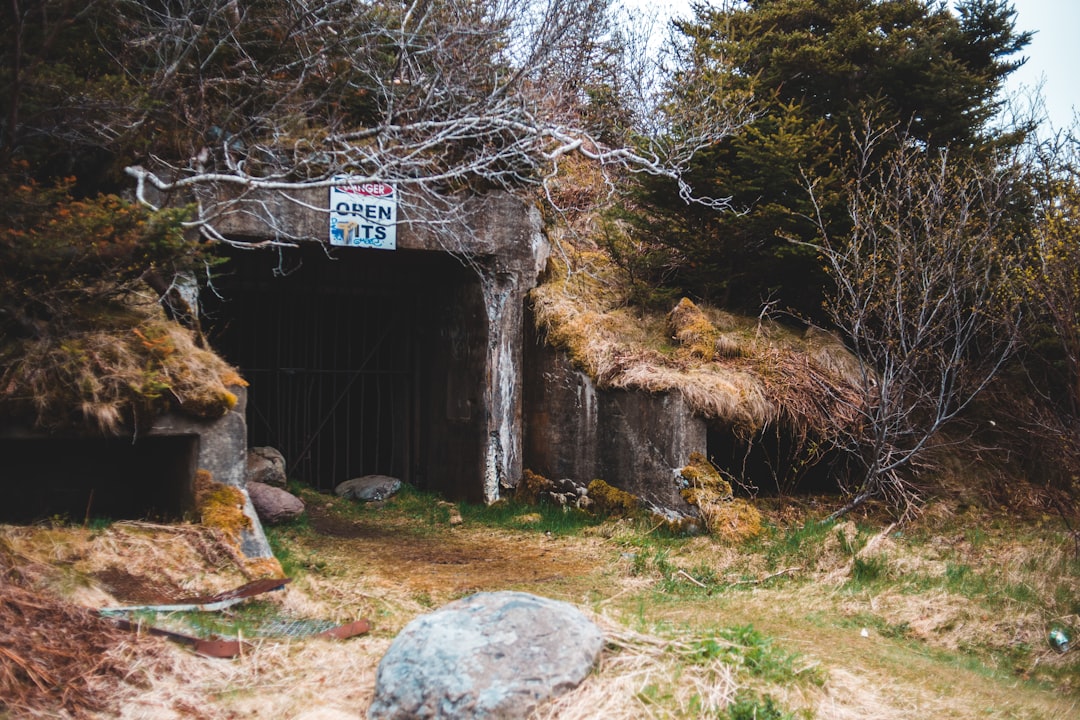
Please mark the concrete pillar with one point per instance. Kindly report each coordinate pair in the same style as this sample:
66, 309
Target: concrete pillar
223, 453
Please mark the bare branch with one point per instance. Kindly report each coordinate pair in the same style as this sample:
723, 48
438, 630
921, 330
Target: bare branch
434, 97
921, 293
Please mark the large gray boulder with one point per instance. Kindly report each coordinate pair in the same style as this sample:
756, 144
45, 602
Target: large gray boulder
491, 655
265, 465
274, 505
369, 488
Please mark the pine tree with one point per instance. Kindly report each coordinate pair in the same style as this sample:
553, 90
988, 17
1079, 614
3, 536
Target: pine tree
821, 70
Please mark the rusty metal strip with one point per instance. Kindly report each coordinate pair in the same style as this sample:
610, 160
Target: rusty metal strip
343, 632
222, 648
251, 589
211, 603
216, 648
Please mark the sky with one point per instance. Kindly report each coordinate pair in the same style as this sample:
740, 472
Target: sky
1053, 55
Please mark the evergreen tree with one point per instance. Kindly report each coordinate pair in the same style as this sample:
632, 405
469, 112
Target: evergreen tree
821, 70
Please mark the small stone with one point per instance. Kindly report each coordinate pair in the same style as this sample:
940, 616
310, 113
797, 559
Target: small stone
369, 488
274, 505
265, 465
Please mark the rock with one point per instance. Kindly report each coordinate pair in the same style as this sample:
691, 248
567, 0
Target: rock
493, 655
265, 465
274, 505
369, 488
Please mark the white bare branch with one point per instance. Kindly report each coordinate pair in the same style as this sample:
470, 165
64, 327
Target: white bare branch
432, 96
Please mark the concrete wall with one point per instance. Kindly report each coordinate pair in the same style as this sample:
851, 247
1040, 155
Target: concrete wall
633, 440
222, 451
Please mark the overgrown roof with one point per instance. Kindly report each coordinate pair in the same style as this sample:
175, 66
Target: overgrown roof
748, 373
112, 374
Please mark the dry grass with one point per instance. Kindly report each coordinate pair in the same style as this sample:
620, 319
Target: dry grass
392, 565
181, 560
123, 369
57, 658
635, 671
693, 330
87, 666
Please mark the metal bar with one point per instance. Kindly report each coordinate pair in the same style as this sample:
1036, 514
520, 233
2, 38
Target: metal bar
341, 329
211, 603
345, 392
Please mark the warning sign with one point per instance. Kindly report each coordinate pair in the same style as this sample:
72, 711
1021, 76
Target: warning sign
364, 215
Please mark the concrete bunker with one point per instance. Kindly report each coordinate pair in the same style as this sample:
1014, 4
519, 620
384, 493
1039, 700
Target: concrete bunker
430, 335
638, 440
634, 440
145, 474
369, 361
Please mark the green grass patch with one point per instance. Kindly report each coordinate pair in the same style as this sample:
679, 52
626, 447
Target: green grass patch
750, 706
419, 506
284, 543
760, 656
795, 546
869, 570
755, 659
543, 517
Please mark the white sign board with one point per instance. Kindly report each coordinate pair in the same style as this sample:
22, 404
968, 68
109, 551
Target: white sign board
364, 215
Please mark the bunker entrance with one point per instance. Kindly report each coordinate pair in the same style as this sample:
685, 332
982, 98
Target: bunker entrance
361, 362
83, 478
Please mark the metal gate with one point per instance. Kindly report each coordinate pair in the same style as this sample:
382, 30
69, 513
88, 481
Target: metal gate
330, 354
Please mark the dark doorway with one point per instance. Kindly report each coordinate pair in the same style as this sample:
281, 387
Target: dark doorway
775, 462
82, 478
360, 362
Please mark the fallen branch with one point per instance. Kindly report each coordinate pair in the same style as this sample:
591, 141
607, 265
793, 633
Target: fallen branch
692, 579
785, 571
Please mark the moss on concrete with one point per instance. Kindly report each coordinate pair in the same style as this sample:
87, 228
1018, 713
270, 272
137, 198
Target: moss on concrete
220, 506
609, 501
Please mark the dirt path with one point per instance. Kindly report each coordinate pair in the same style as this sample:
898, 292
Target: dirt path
391, 566
451, 561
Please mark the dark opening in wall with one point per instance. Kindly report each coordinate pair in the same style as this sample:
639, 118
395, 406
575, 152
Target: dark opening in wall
79, 478
359, 361
774, 462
